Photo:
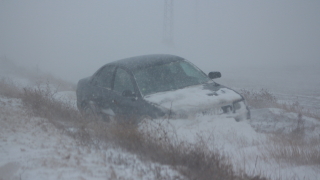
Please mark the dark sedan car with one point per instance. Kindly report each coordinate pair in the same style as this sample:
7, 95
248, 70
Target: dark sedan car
156, 86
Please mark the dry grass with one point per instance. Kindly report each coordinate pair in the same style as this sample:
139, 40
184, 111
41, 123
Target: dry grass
297, 108
294, 150
260, 99
9, 89
265, 99
294, 147
194, 161
41, 102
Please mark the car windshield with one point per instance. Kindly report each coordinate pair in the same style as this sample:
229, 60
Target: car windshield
166, 77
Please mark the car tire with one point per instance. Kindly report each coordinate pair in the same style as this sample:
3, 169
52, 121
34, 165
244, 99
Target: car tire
106, 118
89, 110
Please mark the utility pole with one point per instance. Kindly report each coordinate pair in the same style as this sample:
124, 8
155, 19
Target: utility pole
196, 11
168, 22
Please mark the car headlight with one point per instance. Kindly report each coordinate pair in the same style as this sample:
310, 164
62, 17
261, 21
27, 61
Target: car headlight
238, 105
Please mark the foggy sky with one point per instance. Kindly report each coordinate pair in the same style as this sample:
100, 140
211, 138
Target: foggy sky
73, 38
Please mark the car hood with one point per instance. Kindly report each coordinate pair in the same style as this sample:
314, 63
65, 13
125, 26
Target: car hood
194, 99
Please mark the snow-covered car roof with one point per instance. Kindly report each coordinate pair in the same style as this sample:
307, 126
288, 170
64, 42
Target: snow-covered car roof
138, 62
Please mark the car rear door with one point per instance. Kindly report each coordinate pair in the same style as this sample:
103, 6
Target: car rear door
127, 101
102, 89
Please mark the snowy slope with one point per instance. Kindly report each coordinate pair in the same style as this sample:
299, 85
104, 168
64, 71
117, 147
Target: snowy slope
239, 140
32, 148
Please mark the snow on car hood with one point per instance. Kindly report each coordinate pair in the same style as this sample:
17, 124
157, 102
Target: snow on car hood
194, 99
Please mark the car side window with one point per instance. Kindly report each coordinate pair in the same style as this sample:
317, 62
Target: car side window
122, 81
104, 78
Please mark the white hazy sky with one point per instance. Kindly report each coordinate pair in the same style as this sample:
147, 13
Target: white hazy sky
73, 38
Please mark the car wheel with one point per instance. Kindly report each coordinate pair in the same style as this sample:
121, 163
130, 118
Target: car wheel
89, 110
108, 115
144, 119
107, 118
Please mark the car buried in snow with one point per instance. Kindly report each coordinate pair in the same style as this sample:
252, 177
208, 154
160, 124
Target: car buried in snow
156, 86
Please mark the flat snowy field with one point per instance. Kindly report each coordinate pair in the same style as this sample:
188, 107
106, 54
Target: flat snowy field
33, 148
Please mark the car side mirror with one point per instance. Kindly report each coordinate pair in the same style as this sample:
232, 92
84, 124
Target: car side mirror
128, 93
214, 75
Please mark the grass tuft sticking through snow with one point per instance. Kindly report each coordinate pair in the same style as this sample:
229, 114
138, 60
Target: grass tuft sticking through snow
292, 147
294, 150
265, 99
194, 161
8, 88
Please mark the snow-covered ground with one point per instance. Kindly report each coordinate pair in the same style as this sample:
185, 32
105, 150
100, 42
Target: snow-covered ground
32, 148
245, 142
304, 90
